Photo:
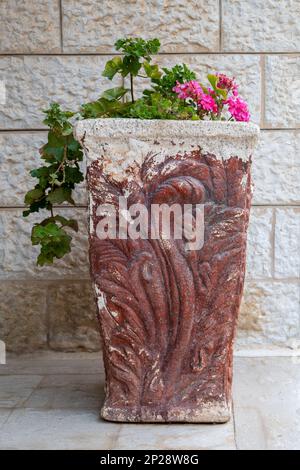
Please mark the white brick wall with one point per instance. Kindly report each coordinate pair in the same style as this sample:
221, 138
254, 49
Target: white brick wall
56, 51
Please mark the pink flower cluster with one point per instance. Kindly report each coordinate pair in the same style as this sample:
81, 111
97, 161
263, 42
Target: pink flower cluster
186, 90
208, 103
213, 101
194, 91
238, 109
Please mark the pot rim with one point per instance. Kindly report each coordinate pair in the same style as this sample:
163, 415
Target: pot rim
139, 128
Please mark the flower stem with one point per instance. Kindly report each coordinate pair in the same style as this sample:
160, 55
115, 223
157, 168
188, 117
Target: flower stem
131, 88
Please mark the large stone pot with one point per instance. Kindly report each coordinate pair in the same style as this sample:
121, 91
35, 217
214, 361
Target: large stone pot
168, 314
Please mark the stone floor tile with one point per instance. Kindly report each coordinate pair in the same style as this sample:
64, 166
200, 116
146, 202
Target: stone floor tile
267, 402
4, 415
68, 391
57, 429
61, 408
176, 436
50, 362
14, 390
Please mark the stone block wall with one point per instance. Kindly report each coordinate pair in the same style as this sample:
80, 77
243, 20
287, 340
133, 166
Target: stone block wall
55, 50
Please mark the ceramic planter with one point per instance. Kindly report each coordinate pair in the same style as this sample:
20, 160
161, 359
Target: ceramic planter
167, 314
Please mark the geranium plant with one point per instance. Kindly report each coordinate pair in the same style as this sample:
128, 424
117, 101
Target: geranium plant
170, 93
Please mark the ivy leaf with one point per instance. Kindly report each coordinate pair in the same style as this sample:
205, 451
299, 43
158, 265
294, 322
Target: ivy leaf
112, 67
72, 223
54, 180
67, 129
42, 174
44, 233
54, 241
55, 140
38, 172
54, 149
61, 172
44, 258
59, 195
73, 175
35, 207
74, 151
56, 118
74, 145
34, 195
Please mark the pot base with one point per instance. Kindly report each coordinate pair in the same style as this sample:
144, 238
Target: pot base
213, 412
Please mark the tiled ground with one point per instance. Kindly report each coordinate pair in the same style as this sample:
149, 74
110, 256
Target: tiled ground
52, 401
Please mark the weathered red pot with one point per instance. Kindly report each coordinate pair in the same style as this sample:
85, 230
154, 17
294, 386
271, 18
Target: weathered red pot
168, 315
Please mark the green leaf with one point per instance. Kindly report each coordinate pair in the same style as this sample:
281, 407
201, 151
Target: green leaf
73, 145
72, 223
131, 64
45, 233
54, 241
138, 47
59, 195
57, 119
54, 149
67, 129
114, 93
54, 180
74, 150
54, 250
73, 175
153, 45
103, 107
152, 71
112, 67
36, 206
41, 171
157, 106
34, 195
222, 92
205, 89
178, 73
213, 80
42, 174
44, 258
62, 154
95, 108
